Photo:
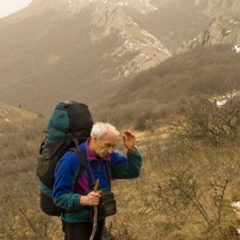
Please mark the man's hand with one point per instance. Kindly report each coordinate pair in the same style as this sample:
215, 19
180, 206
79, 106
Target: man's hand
92, 199
129, 140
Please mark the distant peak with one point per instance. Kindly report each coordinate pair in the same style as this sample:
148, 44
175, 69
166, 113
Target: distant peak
143, 6
73, 7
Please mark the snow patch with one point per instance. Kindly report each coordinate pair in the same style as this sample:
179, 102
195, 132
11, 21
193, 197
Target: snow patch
236, 48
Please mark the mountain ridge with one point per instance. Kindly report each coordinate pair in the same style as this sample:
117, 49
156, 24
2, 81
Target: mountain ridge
49, 54
223, 30
91, 53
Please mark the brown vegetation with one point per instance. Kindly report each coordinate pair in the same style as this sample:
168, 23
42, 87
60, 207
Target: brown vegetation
157, 95
188, 181
185, 191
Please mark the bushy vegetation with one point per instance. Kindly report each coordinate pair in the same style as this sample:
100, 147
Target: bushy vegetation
19, 142
156, 96
190, 146
189, 179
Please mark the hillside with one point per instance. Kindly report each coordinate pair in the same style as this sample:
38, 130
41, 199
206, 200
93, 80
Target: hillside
79, 51
117, 58
223, 30
17, 125
87, 50
14, 115
189, 181
179, 21
157, 94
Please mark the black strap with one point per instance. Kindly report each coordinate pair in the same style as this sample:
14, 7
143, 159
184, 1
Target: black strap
92, 177
82, 167
108, 174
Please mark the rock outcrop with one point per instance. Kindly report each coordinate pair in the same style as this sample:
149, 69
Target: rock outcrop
223, 30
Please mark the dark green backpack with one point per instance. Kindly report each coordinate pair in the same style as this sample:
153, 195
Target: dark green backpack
70, 124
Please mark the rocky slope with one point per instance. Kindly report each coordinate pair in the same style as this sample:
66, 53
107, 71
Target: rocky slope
215, 8
83, 50
223, 30
181, 20
87, 49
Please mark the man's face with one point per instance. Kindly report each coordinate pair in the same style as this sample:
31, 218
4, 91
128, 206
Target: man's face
104, 146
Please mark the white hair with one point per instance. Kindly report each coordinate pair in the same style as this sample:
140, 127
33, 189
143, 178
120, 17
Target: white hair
99, 129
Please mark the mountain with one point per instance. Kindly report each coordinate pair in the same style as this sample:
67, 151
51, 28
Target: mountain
223, 30
87, 50
215, 8
83, 50
181, 20
158, 95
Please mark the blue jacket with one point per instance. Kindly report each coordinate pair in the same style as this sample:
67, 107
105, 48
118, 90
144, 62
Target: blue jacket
69, 186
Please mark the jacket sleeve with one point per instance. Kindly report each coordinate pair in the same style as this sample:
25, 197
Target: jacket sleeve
126, 167
65, 175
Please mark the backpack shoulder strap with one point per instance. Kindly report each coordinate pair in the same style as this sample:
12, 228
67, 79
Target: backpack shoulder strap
82, 164
81, 159
109, 172
80, 172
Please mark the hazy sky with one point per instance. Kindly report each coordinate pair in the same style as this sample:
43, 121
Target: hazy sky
8, 7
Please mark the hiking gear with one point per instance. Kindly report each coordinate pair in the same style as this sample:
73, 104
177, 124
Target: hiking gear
95, 214
107, 204
69, 125
121, 167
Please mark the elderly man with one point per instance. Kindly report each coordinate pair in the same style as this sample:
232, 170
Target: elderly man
75, 194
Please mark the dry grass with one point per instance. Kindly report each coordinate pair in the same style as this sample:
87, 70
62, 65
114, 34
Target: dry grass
158, 198
17, 125
185, 189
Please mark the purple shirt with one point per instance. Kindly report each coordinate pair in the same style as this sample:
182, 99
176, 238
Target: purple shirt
82, 184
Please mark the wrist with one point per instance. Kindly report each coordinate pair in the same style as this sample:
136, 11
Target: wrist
133, 149
83, 200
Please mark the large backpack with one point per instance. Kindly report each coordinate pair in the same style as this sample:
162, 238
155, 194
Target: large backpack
69, 125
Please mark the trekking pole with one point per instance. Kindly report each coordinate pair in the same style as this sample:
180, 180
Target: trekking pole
95, 214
